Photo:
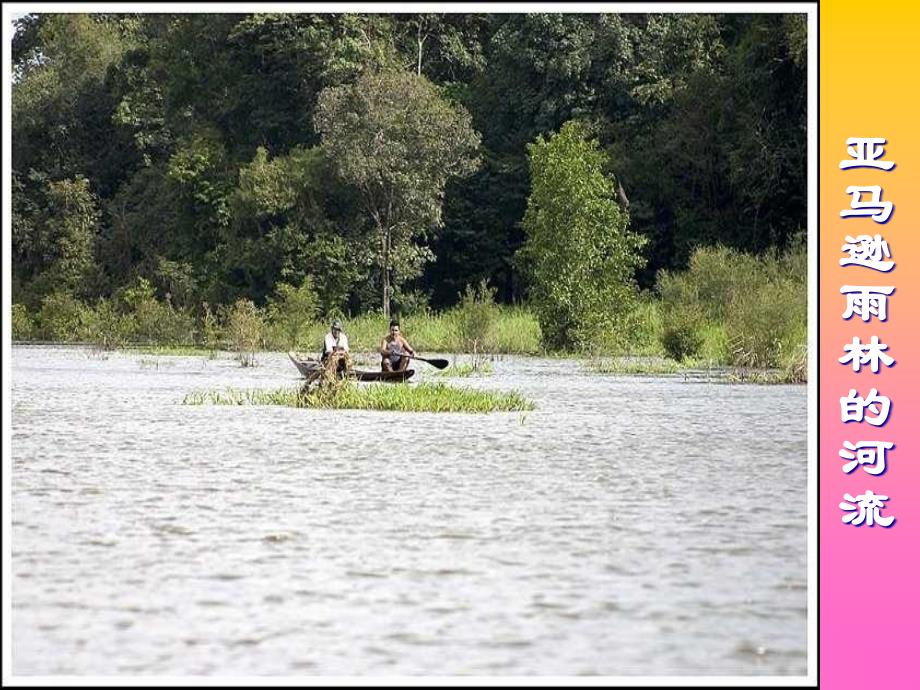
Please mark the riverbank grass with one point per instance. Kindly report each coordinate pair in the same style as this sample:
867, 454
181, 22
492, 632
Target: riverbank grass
424, 397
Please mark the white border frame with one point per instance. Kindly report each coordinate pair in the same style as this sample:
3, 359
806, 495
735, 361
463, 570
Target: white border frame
810, 9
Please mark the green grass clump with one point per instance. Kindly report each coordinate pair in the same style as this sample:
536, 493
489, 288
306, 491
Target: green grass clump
631, 366
714, 345
516, 332
155, 363
172, 350
389, 397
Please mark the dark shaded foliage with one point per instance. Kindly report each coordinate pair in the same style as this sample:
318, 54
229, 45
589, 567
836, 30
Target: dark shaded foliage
702, 117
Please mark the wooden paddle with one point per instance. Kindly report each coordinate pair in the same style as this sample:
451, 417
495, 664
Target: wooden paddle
436, 363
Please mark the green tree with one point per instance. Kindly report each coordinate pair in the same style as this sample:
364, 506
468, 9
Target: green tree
198, 136
289, 220
579, 254
61, 106
443, 47
397, 141
73, 223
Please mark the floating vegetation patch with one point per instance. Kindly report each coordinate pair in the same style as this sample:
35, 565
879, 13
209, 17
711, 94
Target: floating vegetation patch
436, 397
174, 351
629, 366
154, 363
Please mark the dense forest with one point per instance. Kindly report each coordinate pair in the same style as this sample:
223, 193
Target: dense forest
218, 156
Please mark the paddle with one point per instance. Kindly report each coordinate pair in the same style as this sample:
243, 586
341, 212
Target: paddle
436, 363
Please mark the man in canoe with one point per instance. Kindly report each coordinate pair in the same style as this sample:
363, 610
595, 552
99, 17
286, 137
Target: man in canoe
393, 350
335, 347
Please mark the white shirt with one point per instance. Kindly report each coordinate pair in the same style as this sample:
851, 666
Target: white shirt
331, 342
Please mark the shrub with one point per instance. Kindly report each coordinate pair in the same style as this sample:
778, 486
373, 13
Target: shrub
22, 324
719, 276
106, 327
177, 326
138, 300
762, 319
61, 317
795, 364
680, 336
646, 324
475, 318
245, 329
715, 346
209, 327
736, 308
154, 321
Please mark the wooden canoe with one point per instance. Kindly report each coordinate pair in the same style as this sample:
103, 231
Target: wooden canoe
310, 368
386, 376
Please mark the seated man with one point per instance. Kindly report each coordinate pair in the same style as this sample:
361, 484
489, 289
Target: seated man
393, 350
335, 346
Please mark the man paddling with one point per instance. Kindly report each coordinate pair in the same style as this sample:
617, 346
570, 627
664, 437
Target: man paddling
393, 350
335, 345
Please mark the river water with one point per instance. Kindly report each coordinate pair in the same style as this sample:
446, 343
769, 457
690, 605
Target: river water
628, 525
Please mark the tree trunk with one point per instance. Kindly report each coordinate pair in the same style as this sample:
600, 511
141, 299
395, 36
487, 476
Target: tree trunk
385, 274
421, 42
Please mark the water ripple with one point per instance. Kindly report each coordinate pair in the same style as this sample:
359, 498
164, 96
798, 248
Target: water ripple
624, 526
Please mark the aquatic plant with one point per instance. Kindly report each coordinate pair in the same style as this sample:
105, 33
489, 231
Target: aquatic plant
633, 366
384, 396
245, 329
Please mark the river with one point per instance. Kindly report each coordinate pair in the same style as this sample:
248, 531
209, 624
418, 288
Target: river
628, 525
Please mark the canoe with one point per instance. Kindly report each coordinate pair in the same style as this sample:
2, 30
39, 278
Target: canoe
310, 368
386, 376
307, 366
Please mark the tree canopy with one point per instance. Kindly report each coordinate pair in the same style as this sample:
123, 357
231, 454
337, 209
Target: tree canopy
397, 142
220, 156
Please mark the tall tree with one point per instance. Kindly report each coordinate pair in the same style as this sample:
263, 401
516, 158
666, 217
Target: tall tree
397, 141
579, 254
